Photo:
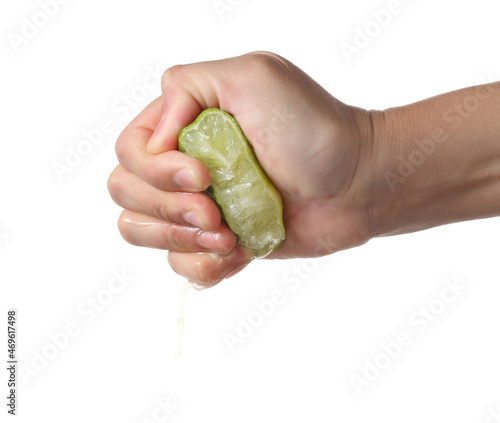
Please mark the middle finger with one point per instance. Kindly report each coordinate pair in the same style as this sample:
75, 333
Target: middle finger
132, 193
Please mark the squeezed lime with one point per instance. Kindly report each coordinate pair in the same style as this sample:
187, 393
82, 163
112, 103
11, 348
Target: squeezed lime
250, 204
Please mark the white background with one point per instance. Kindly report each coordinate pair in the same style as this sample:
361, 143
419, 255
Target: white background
59, 243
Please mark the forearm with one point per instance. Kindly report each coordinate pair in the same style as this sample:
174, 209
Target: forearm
436, 161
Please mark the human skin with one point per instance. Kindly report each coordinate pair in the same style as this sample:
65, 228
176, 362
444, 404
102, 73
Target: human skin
345, 174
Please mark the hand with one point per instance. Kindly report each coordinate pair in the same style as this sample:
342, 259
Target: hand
312, 146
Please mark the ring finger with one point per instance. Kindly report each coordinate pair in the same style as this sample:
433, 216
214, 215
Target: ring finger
146, 231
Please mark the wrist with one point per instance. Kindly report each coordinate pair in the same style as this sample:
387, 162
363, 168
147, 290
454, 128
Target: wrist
388, 178
384, 171
407, 177
364, 183
428, 168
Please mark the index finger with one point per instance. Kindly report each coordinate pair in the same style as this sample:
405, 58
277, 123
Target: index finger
170, 170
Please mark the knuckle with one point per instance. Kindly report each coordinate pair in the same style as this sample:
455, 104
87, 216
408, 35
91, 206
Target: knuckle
151, 173
201, 202
267, 63
172, 74
120, 149
174, 239
264, 58
114, 185
162, 209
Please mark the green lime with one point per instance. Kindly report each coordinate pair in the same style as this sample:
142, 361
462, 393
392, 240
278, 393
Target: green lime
250, 203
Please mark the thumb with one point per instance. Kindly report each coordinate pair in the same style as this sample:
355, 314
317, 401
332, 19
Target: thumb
186, 91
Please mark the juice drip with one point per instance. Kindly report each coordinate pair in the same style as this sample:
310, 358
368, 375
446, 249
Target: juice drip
180, 318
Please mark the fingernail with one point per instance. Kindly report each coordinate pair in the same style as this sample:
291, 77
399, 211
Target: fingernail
187, 179
154, 146
211, 241
194, 219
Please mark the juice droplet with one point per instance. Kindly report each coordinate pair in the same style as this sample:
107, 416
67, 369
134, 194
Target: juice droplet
180, 318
